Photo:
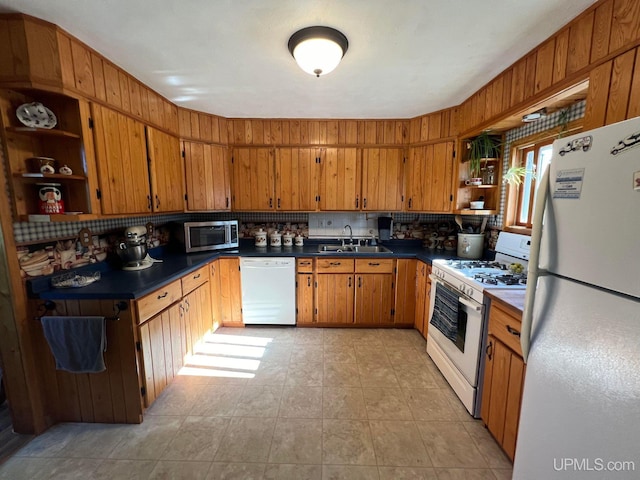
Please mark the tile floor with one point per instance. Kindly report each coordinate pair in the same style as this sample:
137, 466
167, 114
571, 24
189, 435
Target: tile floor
285, 403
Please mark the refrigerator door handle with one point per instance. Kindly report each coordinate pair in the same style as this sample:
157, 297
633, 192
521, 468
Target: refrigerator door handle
534, 257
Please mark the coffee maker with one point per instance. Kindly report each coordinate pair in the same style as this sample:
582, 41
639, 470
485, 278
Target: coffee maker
133, 251
384, 228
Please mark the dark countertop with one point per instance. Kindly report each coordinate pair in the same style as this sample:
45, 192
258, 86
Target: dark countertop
513, 298
119, 284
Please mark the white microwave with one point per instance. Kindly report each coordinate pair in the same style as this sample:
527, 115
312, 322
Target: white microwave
214, 235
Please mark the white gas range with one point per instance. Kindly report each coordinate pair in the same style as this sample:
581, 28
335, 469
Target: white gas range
455, 335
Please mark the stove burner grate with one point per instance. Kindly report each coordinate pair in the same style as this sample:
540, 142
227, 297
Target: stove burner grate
499, 279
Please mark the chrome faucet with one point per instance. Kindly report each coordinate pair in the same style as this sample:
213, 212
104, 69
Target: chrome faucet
350, 234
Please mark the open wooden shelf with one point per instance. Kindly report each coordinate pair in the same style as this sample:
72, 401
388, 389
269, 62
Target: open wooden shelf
39, 177
82, 217
468, 211
46, 132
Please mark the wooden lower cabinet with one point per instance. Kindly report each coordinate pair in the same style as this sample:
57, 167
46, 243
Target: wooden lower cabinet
374, 299
349, 291
305, 286
503, 379
167, 338
163, 347
226, 292
423, 297
335, 298
405, 292
198, 318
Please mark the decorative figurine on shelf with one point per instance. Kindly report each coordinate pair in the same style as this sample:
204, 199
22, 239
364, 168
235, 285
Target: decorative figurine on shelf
65, 170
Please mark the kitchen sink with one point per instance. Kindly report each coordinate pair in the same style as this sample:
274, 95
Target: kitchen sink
353, 249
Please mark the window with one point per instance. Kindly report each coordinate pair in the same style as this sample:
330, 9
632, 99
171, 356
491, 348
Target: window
534, 158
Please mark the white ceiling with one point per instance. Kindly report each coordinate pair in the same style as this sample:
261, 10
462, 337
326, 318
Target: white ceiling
230, 57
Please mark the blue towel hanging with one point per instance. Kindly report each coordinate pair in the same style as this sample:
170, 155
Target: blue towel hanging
77, 343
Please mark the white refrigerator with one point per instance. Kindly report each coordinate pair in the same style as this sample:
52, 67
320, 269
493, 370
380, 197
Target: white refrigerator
580, 416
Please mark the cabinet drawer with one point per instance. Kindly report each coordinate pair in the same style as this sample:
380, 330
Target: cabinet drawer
335, 265
505, 327
374, 265
304, 265
153, 303
194, 279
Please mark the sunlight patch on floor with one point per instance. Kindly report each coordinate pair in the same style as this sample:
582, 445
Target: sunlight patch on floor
212, 372
223, 362
207, 348
238, 340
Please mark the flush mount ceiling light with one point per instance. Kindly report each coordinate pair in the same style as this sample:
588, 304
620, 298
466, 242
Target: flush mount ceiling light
318, 50
533, 116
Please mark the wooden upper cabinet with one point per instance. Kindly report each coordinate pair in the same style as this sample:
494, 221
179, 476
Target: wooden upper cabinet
339, 179
382, 174
165, 166
297, 174
121, 158
253, 179
416, 181
207, 177
429, 178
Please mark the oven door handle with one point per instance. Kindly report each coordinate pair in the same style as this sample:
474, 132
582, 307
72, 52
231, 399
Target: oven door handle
467, 303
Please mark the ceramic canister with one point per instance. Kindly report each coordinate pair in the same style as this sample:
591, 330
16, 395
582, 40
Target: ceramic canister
276, 239
299, 240
470, 245
287, 239
261, 238
50, 198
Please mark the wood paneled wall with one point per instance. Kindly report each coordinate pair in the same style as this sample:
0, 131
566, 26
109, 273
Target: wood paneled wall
39, 54
434, 126
317, 132
581, 49
202, 127
614, 91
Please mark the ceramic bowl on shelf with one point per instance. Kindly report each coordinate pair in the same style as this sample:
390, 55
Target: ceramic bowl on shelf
41, 164
479, 205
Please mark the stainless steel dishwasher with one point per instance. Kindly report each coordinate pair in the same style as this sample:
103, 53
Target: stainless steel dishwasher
268, 290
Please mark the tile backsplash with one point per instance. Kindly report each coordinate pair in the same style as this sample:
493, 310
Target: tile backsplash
321, 225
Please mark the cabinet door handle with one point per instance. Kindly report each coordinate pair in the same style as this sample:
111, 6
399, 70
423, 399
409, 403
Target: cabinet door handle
157, 202
349, 282
305, 263
160, 297
359, 282
308, 281
513, 331
489, 350
227, 200
364, 203
188, 305
357, 202
374, 264
271, 203
410, 202
181, 307
335, 264
195, 277
148, 202
278, 203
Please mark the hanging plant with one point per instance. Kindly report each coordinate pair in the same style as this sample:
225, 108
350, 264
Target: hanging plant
514, 176
563, 122
482, 147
